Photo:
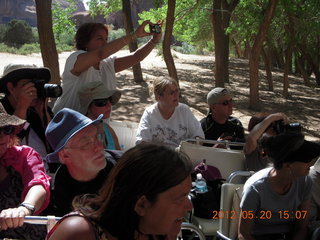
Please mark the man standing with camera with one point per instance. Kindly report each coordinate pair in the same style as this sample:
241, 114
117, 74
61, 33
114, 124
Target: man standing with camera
21, 85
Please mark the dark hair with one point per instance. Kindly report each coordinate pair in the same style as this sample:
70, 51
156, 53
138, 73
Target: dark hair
145, 170
279, 147
85, 32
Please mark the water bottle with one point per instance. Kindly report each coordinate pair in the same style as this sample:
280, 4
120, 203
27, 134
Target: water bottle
201, 185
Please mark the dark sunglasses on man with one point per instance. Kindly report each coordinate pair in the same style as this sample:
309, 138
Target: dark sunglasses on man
7, 130
102, 102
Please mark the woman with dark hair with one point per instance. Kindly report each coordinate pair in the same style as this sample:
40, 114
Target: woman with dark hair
276, 200
260, 125
93, 61
145, 197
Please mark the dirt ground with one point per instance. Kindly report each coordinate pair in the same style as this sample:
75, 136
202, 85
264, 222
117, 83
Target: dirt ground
196, 80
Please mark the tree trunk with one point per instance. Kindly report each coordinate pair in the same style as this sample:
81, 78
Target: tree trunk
167, 40
247, 49
255, 55
133, 46
220, 21
47, 44
267, 64
286, 72
237, 48
302, 70
312, 64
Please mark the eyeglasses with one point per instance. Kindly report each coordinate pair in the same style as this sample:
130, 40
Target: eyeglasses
102, 102
226, 102
7, 130
89, 143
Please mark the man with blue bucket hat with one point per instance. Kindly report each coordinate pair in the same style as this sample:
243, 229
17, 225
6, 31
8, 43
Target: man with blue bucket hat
78, 144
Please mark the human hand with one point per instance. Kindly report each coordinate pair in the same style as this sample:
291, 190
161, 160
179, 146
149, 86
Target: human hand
13, 217
157, 36
25, 95
279, 116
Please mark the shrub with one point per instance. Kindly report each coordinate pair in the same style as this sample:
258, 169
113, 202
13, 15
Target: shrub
18, 32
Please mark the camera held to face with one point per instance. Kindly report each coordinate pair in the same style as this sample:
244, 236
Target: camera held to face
47, 90
155, 28
281, 127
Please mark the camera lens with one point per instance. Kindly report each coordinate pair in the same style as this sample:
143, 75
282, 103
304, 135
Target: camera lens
52, 90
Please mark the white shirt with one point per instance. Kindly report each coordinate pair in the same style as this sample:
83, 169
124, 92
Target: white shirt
71, 83
180, 126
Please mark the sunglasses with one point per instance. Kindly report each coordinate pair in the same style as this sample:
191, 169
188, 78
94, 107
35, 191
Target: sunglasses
226, 102
102, 102
7, 130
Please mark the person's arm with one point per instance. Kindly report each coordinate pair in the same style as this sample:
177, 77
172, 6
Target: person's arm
14, 217
144, 128
301, 225
122, 63
91, 58
115, 137
245, 228
259, 129
71, 228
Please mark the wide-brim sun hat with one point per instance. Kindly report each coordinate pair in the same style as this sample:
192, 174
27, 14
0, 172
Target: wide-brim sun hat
9, 120
64, 125
17, 71
96, 90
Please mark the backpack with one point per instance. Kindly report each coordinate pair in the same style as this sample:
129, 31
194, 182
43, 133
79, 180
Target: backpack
205, 203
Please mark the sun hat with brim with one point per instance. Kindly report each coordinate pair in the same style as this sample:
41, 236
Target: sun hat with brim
15, 72
96, 90
307, 152
9, 120
64, 125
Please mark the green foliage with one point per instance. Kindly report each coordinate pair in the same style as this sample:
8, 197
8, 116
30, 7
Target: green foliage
17, 33
63, 25
3, 28
192, 21
29, 48
104, 7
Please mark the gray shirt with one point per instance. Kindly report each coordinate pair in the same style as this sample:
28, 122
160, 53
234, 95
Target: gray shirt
315, 200
259, 198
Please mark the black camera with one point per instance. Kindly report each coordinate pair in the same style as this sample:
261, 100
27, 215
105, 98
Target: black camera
281, 127
45, 90
155, 28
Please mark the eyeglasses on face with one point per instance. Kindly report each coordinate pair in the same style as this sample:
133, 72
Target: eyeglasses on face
89, 143
226, 102
102, 102
7, 130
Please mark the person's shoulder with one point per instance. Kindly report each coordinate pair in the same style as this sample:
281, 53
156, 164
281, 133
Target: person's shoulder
76, 227
257, 180
234, 120
151, 108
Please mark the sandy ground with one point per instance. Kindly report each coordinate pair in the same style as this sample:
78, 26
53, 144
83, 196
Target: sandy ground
196, 80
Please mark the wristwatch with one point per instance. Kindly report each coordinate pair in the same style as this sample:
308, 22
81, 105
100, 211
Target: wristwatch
28, 206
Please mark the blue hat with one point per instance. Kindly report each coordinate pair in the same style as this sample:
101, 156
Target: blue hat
64, 125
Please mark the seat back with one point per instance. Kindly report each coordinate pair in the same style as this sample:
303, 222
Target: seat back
229, 205
126, 133
226, 160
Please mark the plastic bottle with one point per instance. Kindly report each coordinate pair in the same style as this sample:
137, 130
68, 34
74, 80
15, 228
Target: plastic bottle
201, 185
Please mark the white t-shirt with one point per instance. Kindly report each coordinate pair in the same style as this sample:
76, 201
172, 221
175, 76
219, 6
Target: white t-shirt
180, 126
71, 83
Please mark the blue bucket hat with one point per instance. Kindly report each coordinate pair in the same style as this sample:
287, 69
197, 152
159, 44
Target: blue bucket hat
64, 125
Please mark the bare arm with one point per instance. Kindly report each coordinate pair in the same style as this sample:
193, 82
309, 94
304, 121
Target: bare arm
301, 225
245, 228
259, 129
14, 217
72, 228
92, 58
